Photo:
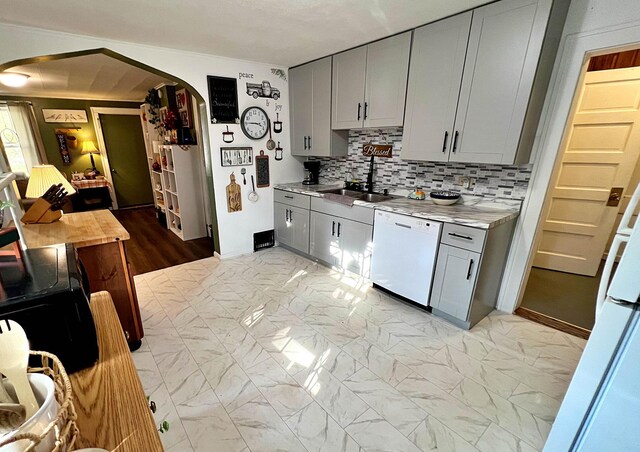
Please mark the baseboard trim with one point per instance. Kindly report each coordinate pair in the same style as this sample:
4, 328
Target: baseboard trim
552, 322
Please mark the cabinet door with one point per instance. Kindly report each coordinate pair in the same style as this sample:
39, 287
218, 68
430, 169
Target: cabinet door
281, 224
435, 75
321, 108
299, 220
324, 244
349, 71
356, 244
454, 281
300, 104
502, 57
386, 81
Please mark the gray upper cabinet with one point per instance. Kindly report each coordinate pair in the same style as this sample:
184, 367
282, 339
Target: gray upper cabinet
349, 76
504, 48
474, 108
310, 105
300, 95
369, 84
433, 88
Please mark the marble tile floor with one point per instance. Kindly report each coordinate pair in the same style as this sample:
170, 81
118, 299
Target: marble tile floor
271, 351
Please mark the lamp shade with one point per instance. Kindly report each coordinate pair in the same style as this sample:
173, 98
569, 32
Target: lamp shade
42, 178
89, 147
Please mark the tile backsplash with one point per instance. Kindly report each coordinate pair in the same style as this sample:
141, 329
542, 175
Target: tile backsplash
503, 181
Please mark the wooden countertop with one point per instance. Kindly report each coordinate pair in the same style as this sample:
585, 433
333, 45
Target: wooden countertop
112, 407
80, 228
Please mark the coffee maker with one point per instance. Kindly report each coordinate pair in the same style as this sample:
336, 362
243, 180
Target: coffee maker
311, 172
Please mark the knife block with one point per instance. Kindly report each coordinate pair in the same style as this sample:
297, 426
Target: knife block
40, 212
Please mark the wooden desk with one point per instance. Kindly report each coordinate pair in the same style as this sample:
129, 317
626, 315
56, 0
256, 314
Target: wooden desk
112, 407
99, 239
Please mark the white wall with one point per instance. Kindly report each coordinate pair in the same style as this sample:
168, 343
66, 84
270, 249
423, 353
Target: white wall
591, 25
235, 229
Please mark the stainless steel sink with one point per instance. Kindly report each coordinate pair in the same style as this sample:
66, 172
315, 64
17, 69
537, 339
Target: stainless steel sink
343, 192
368, 197
375, 197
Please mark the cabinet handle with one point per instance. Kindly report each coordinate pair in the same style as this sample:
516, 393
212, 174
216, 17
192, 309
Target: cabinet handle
288, 197
403, 225
366, 105
444, 143
359, 108
309, 142
466, 237
333, 228
469, 271
305, 142
338, 229
290, 215
286, 215
455, 142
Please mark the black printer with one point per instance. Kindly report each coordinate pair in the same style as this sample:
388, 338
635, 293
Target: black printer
48, 295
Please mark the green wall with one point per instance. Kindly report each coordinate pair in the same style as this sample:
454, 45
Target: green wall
79, 162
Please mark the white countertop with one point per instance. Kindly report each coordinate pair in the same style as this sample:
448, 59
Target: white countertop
473, 211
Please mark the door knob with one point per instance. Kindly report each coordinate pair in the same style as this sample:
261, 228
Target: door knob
615, 195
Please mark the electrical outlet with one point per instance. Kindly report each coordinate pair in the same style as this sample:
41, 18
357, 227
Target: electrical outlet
465, 182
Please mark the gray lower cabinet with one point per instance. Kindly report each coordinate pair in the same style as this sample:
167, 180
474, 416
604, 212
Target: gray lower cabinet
341, 242
454, 280
468, 272
292, 226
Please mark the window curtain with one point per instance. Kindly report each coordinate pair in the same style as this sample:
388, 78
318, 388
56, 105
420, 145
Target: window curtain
21, 132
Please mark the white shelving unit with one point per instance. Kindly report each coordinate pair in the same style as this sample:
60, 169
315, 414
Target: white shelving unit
182, 190
151, 142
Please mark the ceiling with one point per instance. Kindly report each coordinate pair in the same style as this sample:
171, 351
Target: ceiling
96, 77
283, 32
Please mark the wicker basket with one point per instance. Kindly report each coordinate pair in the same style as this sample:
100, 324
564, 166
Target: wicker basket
64, 425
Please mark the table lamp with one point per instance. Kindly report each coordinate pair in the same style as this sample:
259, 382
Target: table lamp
89, 147
50, 187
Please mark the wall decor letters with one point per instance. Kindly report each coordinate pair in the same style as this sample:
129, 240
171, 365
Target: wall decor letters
61, 138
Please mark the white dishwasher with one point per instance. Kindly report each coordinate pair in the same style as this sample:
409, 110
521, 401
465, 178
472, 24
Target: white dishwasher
404, 254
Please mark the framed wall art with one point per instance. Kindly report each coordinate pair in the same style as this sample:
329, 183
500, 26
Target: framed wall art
56, 115
223, 99
183, 102
236, 156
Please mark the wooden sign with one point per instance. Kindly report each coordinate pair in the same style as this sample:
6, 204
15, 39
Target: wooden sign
234, 195
61, 138
377, 150
262, 170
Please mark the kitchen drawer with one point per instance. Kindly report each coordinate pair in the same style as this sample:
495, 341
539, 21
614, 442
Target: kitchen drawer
464, 237
292, 199
355, 213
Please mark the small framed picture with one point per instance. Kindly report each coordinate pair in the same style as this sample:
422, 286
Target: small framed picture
236, 156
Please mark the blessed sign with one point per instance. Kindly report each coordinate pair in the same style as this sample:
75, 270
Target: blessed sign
377, 150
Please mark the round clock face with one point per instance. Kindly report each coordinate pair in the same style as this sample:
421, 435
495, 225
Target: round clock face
255, 123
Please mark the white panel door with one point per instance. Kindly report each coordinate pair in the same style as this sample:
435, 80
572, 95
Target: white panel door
504, 48
321, 108
356, 245
600, 153
349, 73
386, 81
300, 104
454, 281
435, 75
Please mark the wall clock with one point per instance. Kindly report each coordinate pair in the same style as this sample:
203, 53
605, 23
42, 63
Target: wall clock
255, 123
